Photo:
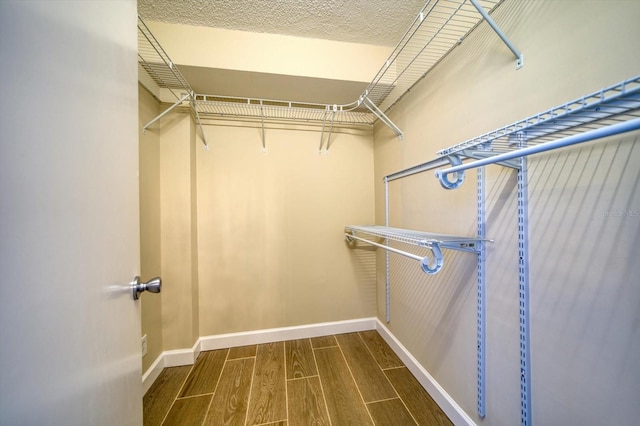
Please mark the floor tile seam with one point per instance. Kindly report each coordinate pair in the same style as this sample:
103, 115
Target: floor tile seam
253, 372
175, 398
194, 396
286, 386
382, 400
226, 360
324, 397
393, 368
239, 358
375, 363
374, 357
401, 399
356, 383
304, 377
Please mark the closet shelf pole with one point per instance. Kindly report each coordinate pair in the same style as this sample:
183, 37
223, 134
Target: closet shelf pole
425, 262
611, 130
502, 35
167, 111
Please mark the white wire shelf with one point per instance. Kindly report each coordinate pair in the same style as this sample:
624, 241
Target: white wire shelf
156, 71
614, 108
228, 106
440, 26
434, 242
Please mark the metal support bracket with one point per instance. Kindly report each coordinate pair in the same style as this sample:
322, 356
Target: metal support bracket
333, 116
167, 111
264, 141
371, 106
195, 110
479, 155
496, 28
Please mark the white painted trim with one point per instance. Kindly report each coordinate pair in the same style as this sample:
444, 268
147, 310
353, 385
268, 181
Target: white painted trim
455, 413
152, 373
232, 340
180, 357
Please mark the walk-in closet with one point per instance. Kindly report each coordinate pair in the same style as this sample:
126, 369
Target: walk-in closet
357, 212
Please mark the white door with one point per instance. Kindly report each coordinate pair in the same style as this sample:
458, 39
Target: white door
69, 227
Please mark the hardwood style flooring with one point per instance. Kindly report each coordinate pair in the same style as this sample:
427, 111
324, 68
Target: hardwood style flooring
346, 379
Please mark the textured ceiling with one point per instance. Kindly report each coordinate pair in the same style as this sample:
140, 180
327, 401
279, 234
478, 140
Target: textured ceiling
379, 22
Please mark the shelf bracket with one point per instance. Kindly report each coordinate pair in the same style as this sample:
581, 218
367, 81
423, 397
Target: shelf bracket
264, 141
333, 116
195, 110
476, 155
371, 106
503, 37
166, 111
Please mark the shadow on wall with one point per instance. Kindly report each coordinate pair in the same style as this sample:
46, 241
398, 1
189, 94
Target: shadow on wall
432, 304
585, 300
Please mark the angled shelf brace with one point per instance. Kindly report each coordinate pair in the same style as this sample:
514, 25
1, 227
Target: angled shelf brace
162, 78
503, 37
434, 242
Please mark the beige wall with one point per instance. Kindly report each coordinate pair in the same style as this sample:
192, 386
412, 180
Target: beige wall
584, 333
178, 228
248, 240
150, 231
271, 251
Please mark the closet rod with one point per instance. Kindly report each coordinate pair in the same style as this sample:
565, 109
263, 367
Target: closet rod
611, 130
424, 261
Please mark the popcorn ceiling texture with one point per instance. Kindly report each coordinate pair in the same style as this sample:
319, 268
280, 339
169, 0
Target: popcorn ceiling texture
378, 22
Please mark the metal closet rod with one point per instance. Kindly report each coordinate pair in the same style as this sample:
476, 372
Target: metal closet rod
425, 262
611, 130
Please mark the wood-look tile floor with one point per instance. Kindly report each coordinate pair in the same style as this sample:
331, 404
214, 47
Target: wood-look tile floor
346, 379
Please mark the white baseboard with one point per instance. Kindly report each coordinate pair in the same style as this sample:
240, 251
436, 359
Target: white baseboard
152, 373
173, 358
180, 357
232, 340
188, 356
439, 395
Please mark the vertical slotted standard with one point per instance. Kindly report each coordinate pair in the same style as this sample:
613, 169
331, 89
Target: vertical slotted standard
481, 314
523, 274
387, 272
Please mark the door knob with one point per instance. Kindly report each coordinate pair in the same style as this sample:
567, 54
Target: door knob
154, 285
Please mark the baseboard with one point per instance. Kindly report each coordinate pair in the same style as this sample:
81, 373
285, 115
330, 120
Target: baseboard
173, 358
152, 373
188, 356
455, 413
180, 357
232, 340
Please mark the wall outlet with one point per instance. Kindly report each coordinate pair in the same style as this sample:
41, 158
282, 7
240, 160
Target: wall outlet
144, 345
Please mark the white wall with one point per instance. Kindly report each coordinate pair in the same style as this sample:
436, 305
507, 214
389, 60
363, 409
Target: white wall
584, 293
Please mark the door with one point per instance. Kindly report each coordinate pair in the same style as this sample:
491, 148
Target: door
69, 227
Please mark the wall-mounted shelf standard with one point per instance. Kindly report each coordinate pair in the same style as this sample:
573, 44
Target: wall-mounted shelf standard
434, 242
611, 111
